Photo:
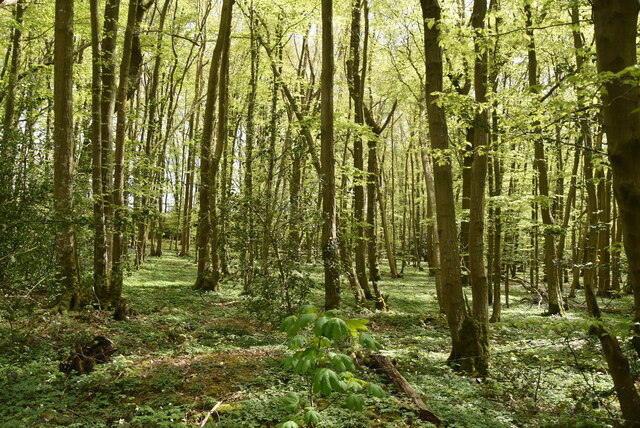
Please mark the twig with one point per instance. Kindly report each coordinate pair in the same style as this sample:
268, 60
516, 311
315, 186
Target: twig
209, 413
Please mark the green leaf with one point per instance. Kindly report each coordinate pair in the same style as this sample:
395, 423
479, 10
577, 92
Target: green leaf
332, 313
311, 417
286, 323
308, 309
302, 322
305, 363
291, 402
343, 362
326, 380
297, 342
355, 402
288, 424
356, 325
335, 328
369, 342
317, 328
376, 390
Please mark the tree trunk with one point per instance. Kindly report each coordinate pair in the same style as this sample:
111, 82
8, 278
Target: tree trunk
477, 270
67, 274
204, 279
615, 33
119, 250
356, 91
100, 285
107, 108
465, 335
9, 135
553, 290
328, 182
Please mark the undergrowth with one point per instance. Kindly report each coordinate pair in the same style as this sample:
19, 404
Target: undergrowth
182, 353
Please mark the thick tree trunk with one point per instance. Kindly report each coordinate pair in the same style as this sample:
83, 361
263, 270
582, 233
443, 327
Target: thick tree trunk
465, 335
328, 182
67, 274
615, 32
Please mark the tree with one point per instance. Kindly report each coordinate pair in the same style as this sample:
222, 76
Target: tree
465, 337
615, 25
120, 206
204, 280
329, 232
68, 273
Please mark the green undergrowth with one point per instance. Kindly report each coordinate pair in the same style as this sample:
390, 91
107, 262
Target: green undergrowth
183, 353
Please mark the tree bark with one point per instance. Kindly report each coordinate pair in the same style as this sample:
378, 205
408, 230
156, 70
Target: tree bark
553, 289
464, 332
477, 270
329, 237
68, 273
615, 24
204, 279
100, 284
119, 249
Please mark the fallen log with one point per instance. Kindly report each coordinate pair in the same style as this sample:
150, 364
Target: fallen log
384, 364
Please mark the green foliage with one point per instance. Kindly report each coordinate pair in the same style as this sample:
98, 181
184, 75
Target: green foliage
273, 295
320, 343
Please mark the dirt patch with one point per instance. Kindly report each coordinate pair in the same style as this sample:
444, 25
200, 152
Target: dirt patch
220, 375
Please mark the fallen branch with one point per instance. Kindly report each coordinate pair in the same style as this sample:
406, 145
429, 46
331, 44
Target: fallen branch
385, 364
209, 413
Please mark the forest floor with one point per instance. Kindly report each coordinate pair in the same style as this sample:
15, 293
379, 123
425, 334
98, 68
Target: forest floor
183, 352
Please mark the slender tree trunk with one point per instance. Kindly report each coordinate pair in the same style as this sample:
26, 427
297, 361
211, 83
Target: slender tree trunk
356, 90
119, 250
248, 251
328, 182
107, 108
477, 270
100, 285
68, 274
553, 289
204, 279
434, 265
9, 132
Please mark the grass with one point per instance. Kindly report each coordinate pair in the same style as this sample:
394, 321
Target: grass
182, 352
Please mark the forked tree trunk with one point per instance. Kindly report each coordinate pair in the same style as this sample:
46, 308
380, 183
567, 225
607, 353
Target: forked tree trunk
204, 280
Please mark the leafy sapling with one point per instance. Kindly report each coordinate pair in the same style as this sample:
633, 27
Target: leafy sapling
321, 344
